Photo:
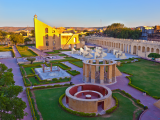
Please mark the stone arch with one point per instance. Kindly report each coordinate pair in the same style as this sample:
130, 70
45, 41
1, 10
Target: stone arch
148, 49
143, 49
152, 50
139, 47
157, 50
134, 49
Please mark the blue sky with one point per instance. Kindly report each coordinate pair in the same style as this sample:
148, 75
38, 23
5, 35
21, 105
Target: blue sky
80, 13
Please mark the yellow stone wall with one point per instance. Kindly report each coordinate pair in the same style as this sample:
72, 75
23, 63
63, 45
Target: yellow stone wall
61, 40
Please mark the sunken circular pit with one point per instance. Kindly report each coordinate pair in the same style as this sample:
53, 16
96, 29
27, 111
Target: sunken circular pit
88, 97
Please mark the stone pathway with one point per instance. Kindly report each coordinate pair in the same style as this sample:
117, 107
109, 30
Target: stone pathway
37, 51
16, 52
35, 104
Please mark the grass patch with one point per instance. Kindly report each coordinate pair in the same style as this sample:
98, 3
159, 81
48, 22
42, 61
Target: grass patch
77, 63
146, 75
49, 108
35, 81
29, 71
5, 48
62, 55
25, 52
65, 59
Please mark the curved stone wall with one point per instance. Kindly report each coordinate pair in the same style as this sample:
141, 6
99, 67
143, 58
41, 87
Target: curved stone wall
101, 97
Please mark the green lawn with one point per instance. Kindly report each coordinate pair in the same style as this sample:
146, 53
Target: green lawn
65, 59
29, 71
47, 102
146, 75
35, 81
5, 48
77, 63
25, 52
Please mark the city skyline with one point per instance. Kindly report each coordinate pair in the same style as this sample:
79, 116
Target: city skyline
79, 13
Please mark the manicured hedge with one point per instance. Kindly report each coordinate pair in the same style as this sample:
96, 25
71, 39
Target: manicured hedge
22, 71
73, 72
24, 80
137, 101
31, 65
111, 110
73, 112
33, 70
61, 65
30, 104
50, 86
130, 84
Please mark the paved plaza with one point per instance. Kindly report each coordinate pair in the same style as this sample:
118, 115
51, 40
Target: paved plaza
109, 56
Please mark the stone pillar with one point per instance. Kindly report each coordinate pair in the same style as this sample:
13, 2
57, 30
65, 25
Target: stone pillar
97, 66
43, 67
109, 74
87, 73
131, 49
91, 63
126, 48
120, 47
51, 67
84, 72
114, 73
93, 69
102, 74
104, 62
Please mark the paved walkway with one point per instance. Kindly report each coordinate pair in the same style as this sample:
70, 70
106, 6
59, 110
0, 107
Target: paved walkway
12, 63
37, 51
16, 52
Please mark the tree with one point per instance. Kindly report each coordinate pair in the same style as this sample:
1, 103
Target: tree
31, 59
27, 40
11, 106
33, 33
3, 34
16, 38
154, 56
23, 33
85, 30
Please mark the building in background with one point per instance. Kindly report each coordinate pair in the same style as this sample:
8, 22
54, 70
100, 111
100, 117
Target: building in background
51, 38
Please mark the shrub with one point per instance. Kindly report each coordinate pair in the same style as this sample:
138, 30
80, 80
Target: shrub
30, 104
66, 84
58, 85
54, 79
35, 84
74, 112
33, 70
47, 82
114, 107
39, 87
